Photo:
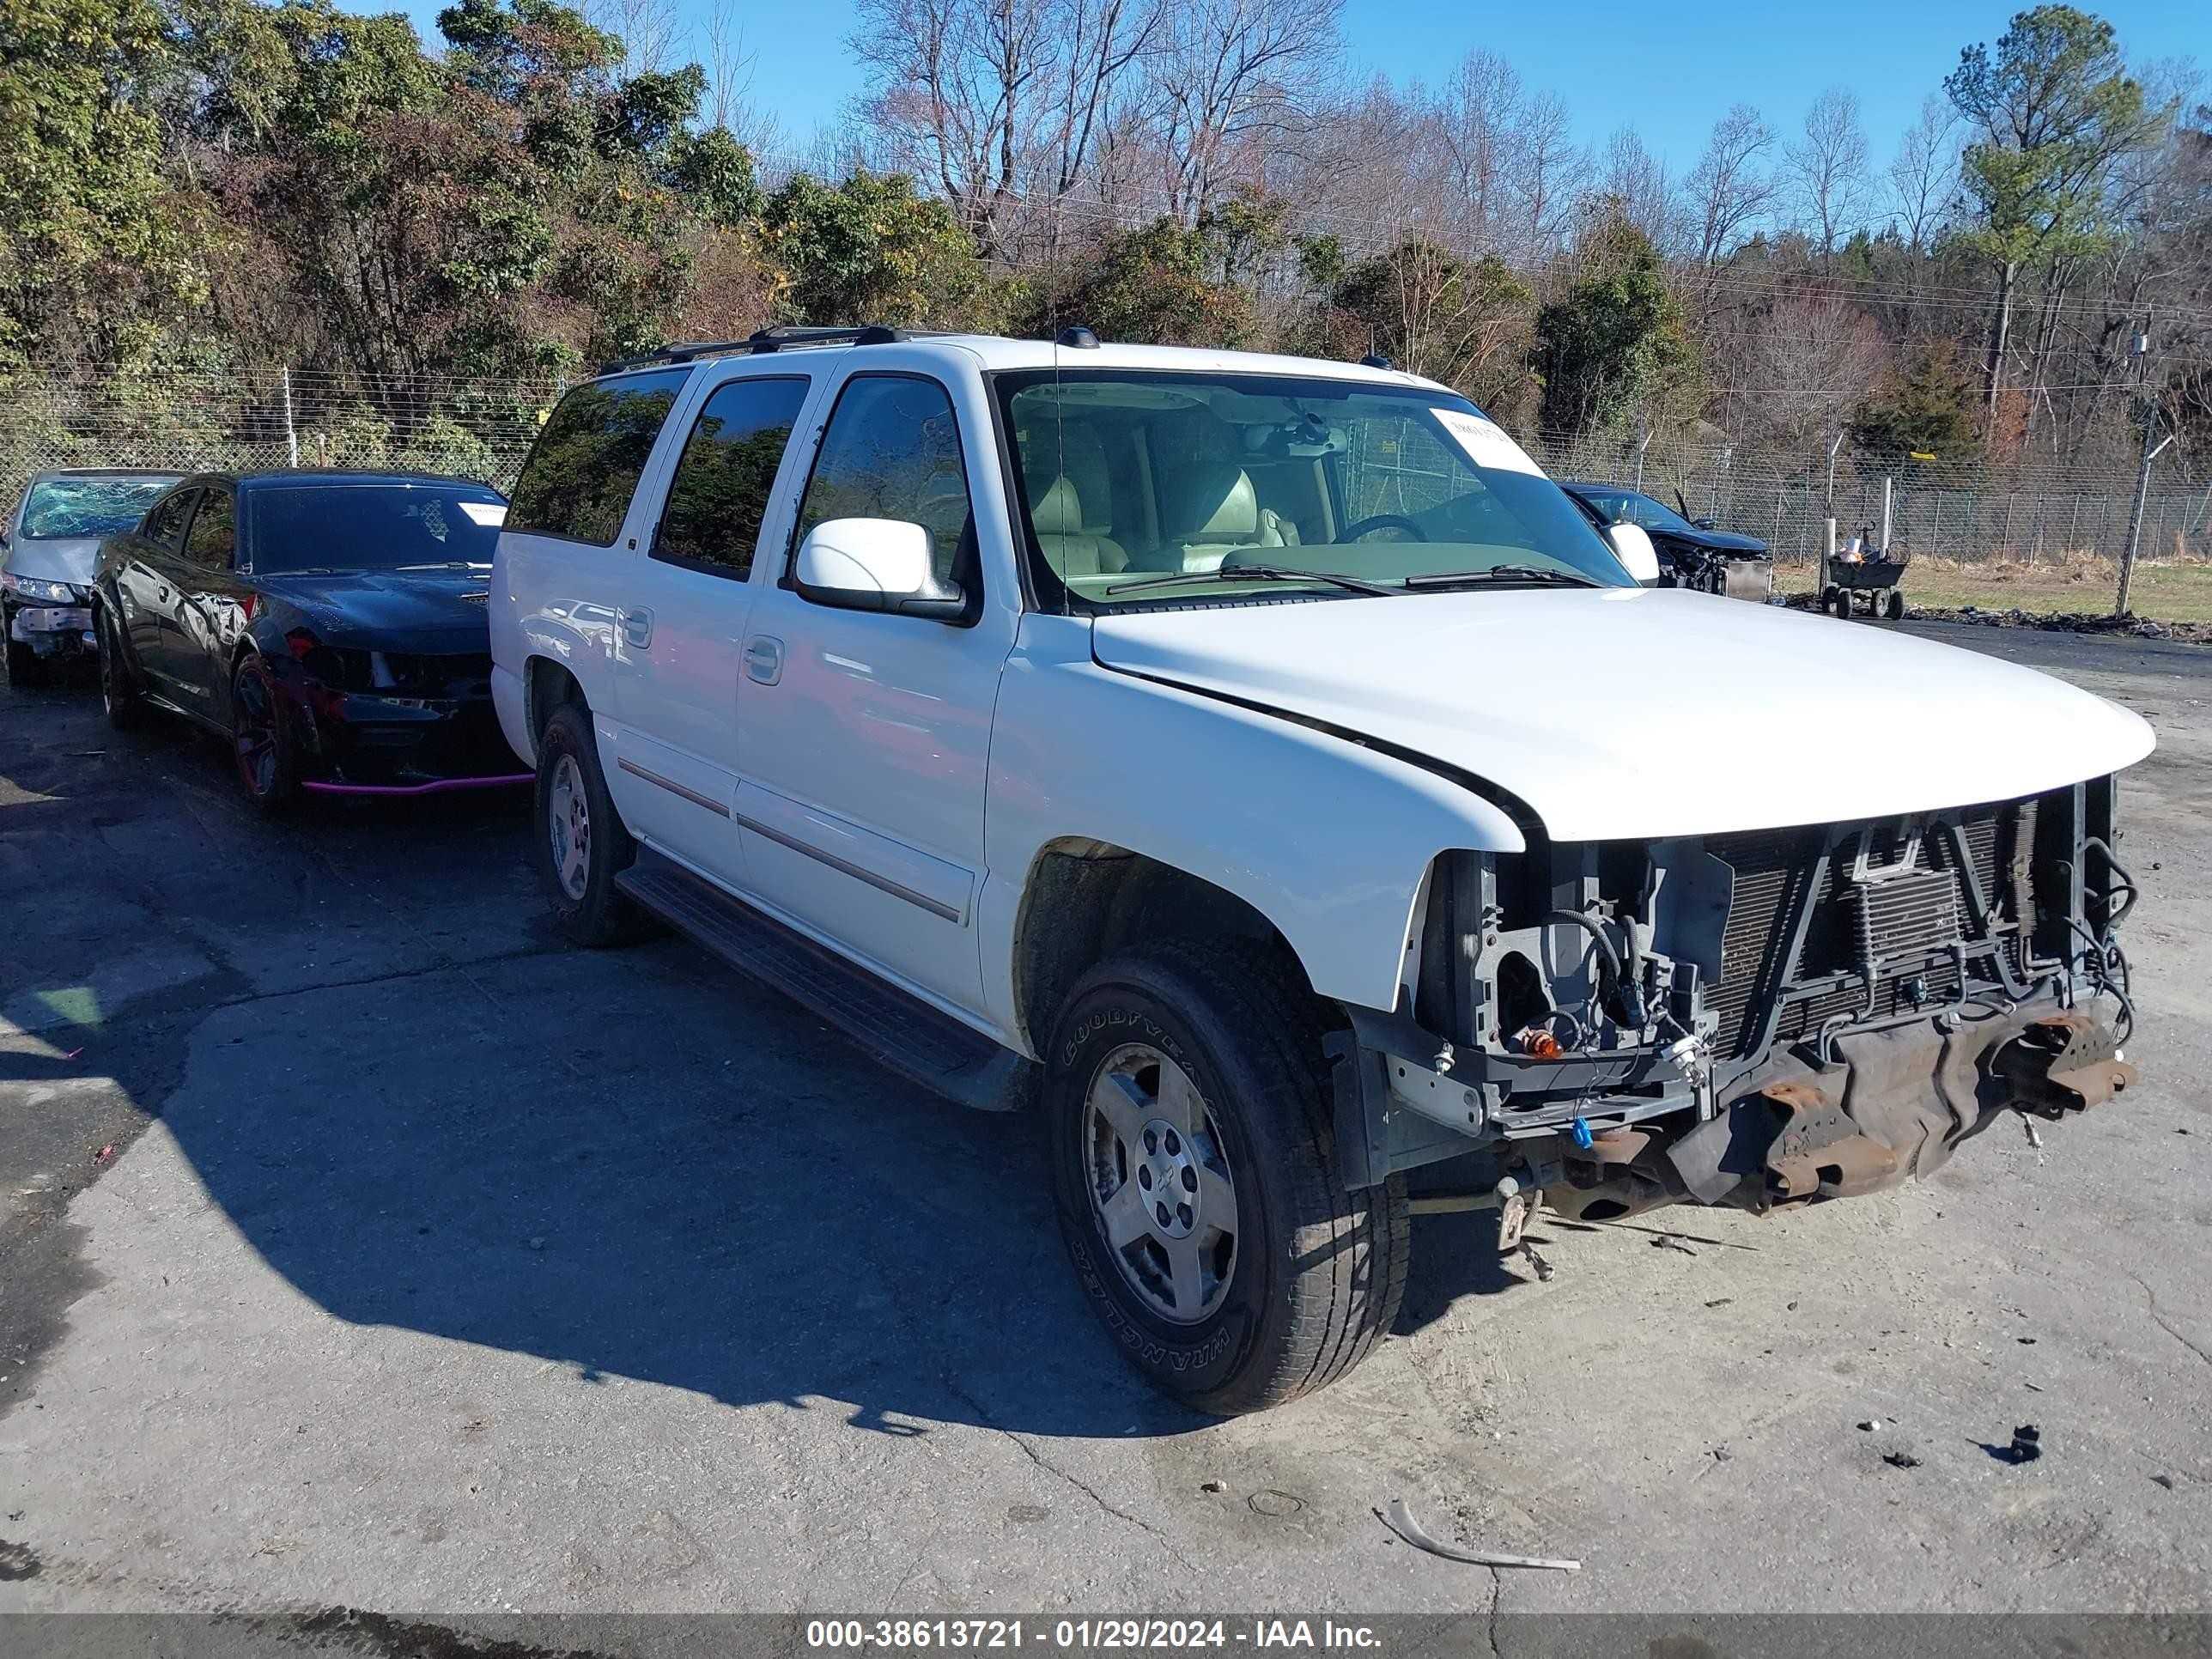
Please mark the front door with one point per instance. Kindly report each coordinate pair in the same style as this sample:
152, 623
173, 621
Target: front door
682, 628
865, 735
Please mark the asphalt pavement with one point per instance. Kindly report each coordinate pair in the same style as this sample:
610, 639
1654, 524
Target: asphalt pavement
364, 1246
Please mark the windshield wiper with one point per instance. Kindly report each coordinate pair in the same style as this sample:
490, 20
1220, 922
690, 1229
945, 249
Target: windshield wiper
1499, 573
1264, 573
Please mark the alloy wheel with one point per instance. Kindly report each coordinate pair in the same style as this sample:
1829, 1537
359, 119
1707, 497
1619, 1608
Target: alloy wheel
568, 823
1160, 1184
254, 734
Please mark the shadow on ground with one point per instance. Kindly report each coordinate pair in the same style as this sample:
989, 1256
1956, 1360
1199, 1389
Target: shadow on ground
424, 1112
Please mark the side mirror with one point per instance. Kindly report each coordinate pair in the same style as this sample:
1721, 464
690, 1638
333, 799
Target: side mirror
1701, 524
1632, 545
874, 564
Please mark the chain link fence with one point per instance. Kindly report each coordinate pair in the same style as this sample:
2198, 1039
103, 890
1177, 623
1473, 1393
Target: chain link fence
210, 419
214, 418
2020, 511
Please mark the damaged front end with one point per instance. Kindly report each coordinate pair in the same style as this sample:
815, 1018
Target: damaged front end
1758, 1019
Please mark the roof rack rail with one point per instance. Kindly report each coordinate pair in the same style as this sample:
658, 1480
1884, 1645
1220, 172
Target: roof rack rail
759, 340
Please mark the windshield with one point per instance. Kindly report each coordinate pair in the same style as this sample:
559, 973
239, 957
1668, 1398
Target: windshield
63, 509
1158, 488
392, 526
1627, 506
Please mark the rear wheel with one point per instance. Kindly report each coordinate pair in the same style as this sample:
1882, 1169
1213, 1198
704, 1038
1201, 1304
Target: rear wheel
580, 845
261, 742
1895, 609
1191, 1150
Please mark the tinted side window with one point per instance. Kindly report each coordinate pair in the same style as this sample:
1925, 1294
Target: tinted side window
893, 451
166, 523
585, 465
719, 493
215, 530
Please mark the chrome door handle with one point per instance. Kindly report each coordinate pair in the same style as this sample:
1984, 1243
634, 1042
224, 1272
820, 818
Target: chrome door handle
636, 627
764, 659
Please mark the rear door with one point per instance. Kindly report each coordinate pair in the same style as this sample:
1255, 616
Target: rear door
569, 547
204, 587
682, 628
147, 584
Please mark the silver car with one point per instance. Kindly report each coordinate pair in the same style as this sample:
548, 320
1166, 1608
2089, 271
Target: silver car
48, 550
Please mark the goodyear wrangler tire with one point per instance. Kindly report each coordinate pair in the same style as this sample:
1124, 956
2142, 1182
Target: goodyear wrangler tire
1190, 1129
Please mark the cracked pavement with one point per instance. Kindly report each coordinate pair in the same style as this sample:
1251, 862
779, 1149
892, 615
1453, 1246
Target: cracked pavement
439, 1269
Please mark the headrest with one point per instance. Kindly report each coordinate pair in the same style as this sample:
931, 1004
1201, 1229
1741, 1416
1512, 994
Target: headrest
1212, 502
1058, 511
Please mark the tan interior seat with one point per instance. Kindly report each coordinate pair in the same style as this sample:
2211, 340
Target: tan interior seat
1069, 544
1210, 511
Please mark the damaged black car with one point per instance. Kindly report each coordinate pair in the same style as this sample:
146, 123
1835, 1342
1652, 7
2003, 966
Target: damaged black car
328, 626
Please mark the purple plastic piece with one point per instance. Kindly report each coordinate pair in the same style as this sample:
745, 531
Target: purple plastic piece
430, 788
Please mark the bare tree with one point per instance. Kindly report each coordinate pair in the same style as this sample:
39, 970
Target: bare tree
1477, 118
730, 80
1827, 169
648, 28
1547, 172
1922, 178
1805, 363
1232, 73
1728, 190
1100, 46
952, 85
1635, 181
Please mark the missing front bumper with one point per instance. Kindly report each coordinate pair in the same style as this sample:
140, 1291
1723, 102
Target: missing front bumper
1893, 1105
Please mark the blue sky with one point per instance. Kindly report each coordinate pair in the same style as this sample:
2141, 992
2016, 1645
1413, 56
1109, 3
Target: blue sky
1666, 70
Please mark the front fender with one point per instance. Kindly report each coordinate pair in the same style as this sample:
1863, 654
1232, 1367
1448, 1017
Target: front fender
1328, 840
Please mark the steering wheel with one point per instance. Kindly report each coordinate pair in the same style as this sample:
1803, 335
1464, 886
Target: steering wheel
1384, 521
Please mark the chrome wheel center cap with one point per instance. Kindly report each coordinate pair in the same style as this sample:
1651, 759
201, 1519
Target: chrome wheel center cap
1167, 1177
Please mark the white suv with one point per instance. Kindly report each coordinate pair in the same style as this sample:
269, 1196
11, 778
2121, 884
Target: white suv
1258, 763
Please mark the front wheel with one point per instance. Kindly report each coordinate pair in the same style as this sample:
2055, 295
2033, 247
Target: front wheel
261, 741
118, 689
1192, 1150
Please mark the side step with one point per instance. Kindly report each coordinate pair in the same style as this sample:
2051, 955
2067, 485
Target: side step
900, 1031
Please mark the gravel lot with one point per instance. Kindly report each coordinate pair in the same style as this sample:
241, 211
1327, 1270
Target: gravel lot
439, 1270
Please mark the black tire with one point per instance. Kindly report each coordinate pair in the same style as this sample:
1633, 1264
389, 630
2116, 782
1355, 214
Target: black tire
118, 685
1895, 609
598, 915
25, 668
1317, 1271
264, 754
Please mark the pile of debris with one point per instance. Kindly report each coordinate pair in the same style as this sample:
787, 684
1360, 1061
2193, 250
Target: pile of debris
2060, 621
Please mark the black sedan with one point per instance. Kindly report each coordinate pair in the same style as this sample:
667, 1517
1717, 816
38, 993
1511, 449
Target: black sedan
331, 625
1692, 552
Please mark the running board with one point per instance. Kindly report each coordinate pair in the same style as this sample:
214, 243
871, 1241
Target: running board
900, 1031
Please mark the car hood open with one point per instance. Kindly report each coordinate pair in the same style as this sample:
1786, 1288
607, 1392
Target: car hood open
1640, 712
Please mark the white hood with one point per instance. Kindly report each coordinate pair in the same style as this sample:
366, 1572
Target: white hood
1643, 712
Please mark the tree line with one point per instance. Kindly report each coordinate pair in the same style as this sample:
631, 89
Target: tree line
232, 183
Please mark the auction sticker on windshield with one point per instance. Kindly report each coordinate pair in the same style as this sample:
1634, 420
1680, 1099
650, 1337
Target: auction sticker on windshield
1485, 442
488, 513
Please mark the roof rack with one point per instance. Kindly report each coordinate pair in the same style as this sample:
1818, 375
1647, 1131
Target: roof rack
760, 340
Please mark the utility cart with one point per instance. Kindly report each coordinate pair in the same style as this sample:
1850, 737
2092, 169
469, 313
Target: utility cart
1875, 576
